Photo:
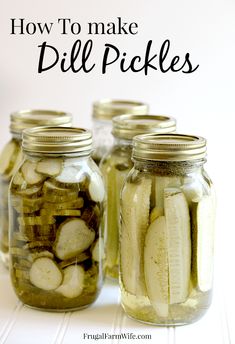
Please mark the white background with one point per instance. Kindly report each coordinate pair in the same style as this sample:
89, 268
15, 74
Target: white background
202, 102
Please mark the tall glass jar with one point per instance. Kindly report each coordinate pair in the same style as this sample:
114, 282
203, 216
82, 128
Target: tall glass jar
11, 156
56, 208
115, 167
103, 112
167, 231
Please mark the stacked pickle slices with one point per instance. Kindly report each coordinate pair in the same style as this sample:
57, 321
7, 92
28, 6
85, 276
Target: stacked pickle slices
9, 161
56, 244
167, 225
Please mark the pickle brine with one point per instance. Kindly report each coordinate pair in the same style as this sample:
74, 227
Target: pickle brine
55, 241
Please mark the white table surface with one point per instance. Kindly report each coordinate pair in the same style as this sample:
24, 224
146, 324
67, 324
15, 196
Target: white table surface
22, 325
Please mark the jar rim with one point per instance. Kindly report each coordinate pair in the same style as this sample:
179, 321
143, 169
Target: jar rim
169, 147
57, 140
24, 119
106, 109
127, 126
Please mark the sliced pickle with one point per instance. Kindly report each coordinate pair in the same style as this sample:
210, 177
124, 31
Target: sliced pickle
29, 192
44, 253
73, 282
162, 182
50, 187
29, 173
96, 187
37, 244
8, 156
70, 175
45, 274
98, 250
22, 264
178, 244
135, 222
17, 251
60, 212
203, 214
50, 167
72, 238
69, 196
156, 265
75, 260
36, 220
18, 179
78, 203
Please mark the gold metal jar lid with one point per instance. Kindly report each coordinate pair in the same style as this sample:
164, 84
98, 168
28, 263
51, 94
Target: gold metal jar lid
169, 147
106, 109
128, 126
57, 140
35, 118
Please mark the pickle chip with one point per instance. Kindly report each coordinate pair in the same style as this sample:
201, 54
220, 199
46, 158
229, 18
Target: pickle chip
73, 282
29, 192
78, 203
36, 220
18, 179
75, 260
30, 175
96, 187
22, 274
45, 274
17, 251
72, 238
50, 167
68, 196
7, 157
60, 212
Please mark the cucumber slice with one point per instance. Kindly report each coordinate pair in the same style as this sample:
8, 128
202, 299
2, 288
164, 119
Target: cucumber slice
98, 250
179, 244
72, 238
78, 203
18, 179
60, 212
6, 157
45, 274
96, 187
73, 281
22, 274
37, 244
67, 197
44, 253
53, 189
156, 266
162, 182
29, 173
203, 217
29, 192
50, 167
70, 175
135, 209
36, 220
75, 260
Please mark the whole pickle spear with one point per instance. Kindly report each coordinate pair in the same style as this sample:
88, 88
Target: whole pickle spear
203, 233
178, 244
156, 266
135, 221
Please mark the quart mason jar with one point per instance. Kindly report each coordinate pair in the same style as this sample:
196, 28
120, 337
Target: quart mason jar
56, 207
115, 167
103, 112
11, 156
167, 231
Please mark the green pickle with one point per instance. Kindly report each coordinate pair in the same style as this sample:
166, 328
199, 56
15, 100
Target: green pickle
115, 166
167, 235
54, 228
10, 159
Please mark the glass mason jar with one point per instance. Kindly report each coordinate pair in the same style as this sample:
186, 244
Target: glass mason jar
115, 167
56, 208
103, 112
11, 156
167, 231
